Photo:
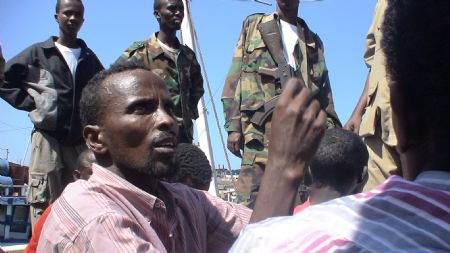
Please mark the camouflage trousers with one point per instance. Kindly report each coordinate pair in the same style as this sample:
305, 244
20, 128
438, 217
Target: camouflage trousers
51, 169
253, 165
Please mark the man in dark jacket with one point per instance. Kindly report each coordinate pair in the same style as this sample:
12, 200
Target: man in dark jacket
46, 80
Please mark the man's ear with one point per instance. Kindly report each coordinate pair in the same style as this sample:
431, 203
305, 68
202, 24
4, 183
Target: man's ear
56, 17
157, 15
93, 136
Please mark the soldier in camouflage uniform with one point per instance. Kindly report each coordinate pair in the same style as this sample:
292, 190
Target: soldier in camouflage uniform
247, 90
175, 63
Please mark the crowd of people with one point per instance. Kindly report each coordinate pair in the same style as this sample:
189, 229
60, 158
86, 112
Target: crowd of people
113, 167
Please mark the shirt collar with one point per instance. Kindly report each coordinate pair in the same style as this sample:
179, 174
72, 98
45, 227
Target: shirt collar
50, 43
142, 200
434, 179
155, 49
301, 24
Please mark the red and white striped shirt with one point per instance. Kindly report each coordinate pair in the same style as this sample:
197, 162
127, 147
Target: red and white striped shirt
109, 214
397, 216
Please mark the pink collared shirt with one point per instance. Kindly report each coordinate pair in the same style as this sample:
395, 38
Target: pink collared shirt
109, 214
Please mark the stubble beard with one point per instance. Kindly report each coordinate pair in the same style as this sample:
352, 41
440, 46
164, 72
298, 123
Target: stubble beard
159, 168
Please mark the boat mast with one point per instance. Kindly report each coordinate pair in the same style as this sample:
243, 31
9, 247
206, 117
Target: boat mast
204, 139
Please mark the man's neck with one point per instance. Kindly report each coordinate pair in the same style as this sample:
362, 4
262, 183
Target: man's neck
169, 38
68, 41
142, 181
323, 194
288, 16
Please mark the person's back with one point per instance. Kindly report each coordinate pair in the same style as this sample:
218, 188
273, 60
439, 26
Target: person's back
46, 79
399, 215
337, 167
409, 214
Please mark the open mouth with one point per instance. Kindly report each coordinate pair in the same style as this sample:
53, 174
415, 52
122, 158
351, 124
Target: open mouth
166, 145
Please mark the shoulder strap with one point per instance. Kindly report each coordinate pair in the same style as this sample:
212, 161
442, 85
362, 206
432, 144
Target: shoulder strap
270, 33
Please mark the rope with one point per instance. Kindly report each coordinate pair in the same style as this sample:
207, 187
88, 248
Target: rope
202, 62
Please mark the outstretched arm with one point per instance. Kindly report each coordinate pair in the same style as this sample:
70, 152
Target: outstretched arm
298, 124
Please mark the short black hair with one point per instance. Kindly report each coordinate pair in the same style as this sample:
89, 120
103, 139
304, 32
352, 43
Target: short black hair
94, 97
158, 3
339, 160
192, 162
416, 43
87, 157
58, 5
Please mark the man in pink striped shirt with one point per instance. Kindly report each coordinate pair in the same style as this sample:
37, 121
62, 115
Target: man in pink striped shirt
129, 124
409, 214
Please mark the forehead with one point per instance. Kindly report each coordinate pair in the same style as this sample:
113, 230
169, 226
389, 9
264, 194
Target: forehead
70, 4
288, 1
135, 83
172, 2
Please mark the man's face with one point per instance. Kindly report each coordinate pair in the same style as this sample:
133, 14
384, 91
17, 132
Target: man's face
170, 14
139, 129
70, 17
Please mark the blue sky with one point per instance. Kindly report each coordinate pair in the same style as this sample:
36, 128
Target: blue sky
111, 26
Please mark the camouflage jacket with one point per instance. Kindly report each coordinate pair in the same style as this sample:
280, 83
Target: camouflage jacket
183, 78
246, 91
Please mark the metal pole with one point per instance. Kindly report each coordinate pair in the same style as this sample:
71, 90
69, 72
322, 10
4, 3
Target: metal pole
204, 138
